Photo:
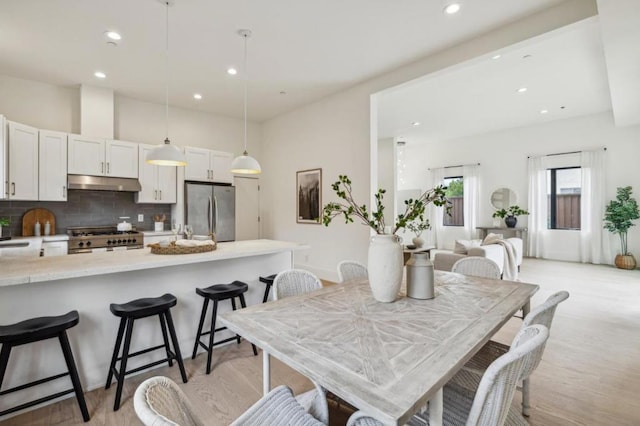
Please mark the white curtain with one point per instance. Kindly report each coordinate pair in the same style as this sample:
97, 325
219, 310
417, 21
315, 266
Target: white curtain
471, 185
537, 205
435, 214
594, 243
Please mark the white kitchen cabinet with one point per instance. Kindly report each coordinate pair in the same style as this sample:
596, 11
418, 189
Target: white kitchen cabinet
4, 160
159, 183
206, 165
52, 166
100, 157
23, 162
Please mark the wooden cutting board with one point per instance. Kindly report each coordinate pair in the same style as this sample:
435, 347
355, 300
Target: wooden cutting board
37, 215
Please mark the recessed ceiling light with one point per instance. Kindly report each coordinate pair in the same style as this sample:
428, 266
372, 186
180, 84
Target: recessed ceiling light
415, 123
496, 57
113, 35
522, 90
452, 8
544, 111
100, 74
232, 71
197, 96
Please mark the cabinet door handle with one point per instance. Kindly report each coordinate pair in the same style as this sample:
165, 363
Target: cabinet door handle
155, 194
107, 167
64, 192
161, 194
102, 167
13, 188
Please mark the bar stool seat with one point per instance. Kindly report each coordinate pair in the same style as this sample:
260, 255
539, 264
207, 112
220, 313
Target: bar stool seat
34, 330
128, 313
216, 293
269, 283
146, 307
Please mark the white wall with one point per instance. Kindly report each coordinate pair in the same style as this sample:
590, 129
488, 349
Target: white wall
503, 158
387, 175
50, 107
335, 134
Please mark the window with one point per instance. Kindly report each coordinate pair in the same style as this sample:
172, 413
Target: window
563, 195
455, 194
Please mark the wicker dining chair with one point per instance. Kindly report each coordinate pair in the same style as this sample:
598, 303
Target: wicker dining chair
469, 376
159, 401
490, 405
350, 270
279, 407
293, 282
478, 267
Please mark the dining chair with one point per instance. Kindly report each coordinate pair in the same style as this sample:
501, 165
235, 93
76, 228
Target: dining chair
279, 407
350, 270
469, 376
478, 267
490, 405
293, 282
159, 401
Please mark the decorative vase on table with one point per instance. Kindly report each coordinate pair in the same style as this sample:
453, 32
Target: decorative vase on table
418, 242
420, 277
511, 221
385, 267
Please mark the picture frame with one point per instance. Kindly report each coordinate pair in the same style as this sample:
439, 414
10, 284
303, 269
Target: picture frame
309, 196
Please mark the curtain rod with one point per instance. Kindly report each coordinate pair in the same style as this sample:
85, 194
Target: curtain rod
451, 167
564, 153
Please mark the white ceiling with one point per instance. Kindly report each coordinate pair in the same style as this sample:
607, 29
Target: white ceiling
565, 68
307, 48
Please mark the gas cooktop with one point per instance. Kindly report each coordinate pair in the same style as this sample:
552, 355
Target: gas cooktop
88, 239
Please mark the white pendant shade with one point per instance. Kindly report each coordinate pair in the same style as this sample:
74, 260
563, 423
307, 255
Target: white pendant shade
245, 164
166, 155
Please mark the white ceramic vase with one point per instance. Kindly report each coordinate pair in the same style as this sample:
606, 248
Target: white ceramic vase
385, 267
418, 242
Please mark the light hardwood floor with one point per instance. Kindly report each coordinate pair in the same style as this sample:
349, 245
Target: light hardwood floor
590, 373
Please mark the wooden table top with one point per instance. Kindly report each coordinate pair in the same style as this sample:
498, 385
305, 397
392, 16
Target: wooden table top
387, 359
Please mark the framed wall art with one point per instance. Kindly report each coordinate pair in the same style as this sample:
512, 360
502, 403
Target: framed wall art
309, 196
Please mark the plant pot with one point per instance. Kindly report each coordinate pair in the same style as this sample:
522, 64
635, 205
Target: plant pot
418, 242
385, 265
625, 261
511, 221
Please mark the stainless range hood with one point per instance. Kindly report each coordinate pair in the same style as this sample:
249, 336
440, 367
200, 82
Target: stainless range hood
102, 183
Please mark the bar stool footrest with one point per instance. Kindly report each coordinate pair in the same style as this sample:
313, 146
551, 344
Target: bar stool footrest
144, 351
37, 382
204, 333
36, 402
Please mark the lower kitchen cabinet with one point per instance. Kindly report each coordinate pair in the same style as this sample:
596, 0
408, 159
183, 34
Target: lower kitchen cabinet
158, 182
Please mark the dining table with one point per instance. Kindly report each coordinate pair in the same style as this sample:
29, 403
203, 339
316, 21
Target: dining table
387, 359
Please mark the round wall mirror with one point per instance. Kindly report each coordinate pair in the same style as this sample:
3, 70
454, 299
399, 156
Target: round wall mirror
503, 198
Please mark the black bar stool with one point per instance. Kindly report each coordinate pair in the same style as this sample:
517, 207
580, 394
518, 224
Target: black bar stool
269, 282
128, 313
35, 330
217, 293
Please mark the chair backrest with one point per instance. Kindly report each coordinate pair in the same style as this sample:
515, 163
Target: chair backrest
477, 267
159, 401
543, 314
293, 282
350, 270
495, 392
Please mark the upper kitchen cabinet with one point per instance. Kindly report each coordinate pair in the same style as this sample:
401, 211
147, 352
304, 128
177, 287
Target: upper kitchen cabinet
159, 183
23, 162
52, 166
206, 165
99, 157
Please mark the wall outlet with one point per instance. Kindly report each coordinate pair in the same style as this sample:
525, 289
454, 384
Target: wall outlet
140, 218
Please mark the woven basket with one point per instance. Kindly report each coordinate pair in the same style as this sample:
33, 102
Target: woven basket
172, 248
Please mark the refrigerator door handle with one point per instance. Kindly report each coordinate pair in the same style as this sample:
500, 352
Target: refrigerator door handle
209, 214
215, 223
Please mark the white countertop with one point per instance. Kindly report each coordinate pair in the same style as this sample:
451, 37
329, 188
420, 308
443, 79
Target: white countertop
26, 270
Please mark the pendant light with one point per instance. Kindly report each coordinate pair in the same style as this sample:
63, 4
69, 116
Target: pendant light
245, 164
166, 154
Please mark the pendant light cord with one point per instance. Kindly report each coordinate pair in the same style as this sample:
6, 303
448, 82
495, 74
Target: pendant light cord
246, 80
167, 76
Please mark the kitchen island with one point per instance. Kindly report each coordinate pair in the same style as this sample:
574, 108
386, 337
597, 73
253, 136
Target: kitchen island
88, 283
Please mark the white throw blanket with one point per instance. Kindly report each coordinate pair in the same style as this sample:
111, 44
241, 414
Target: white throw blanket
510, 269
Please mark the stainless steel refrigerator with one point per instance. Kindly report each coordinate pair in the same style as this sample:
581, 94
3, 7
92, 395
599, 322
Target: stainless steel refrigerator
211, 208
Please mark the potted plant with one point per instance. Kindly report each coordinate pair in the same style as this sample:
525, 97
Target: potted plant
618, 218
510, 215
386, 260
417, 227
4, 221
